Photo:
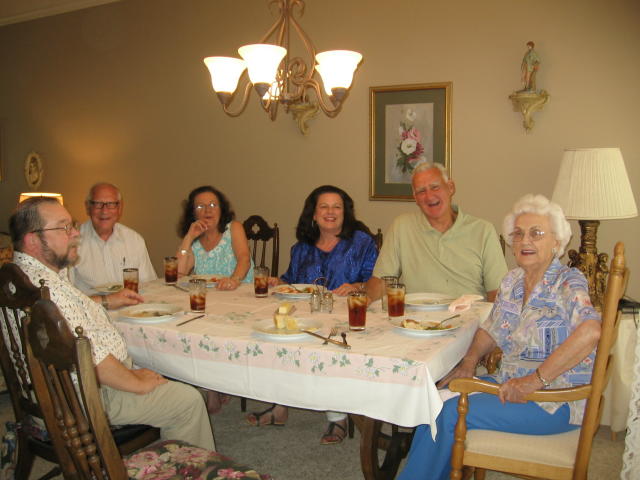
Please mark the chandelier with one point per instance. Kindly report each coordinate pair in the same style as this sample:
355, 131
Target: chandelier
283, 80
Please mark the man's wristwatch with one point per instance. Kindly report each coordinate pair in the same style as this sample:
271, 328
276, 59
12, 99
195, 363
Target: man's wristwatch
104, 301
545, 382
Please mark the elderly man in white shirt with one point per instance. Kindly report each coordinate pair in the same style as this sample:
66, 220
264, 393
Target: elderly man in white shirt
106, 246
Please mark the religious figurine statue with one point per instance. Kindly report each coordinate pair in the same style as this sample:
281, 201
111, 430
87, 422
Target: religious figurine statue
530, 66
602, 270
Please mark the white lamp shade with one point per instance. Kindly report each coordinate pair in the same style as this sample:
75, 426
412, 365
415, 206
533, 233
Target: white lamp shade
262, 61
25, 195
225, 72
336, 67
593, 185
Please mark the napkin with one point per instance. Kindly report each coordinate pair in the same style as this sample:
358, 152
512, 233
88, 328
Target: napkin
463, 303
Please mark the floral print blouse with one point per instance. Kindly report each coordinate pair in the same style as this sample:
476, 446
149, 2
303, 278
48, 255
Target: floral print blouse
528, 334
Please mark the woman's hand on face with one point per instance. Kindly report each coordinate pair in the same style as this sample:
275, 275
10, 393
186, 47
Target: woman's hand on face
196, 229
516, 389
346, 289
227, 283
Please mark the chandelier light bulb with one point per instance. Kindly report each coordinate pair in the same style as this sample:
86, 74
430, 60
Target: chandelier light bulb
225, 73
336, 67
262, 63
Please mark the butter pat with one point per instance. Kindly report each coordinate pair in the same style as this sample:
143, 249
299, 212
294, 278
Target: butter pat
291, 323
279, 320
286, 308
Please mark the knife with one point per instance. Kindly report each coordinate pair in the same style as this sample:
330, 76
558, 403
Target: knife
190, 320
180, 288
335, 342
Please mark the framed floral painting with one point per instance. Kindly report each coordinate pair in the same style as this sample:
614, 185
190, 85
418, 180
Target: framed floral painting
410, 124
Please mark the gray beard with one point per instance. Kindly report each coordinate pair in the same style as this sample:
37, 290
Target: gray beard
52, 258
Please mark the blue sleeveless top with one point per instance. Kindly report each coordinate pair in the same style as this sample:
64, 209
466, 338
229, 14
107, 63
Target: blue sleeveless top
220, 260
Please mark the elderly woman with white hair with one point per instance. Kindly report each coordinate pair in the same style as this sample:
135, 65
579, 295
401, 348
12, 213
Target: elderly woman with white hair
547, 329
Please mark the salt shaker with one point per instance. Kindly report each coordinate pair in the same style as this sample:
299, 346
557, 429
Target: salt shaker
315, 300
326, 304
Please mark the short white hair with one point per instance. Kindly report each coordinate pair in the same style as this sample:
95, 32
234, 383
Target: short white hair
422, 166
95, 186
539, 205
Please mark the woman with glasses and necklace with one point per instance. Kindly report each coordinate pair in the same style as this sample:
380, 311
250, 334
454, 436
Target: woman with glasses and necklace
213, 243
547, 328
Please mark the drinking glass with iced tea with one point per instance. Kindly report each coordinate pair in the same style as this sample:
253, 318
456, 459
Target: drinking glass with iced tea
170, 270
395, 299
198, 294
261, 281
388, 280
357, 303
130, 278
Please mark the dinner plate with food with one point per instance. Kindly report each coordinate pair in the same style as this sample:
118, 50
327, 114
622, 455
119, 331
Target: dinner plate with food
284, 326
432, 327
296, 291
427, 301
212, 280
149, 312
108, 288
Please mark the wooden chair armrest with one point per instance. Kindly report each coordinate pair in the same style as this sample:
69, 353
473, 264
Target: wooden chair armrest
469, 385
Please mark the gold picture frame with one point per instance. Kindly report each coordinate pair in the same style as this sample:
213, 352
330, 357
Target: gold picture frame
409, 124
33, 170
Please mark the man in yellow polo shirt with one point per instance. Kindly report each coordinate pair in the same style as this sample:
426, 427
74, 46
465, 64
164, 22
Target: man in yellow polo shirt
440, 248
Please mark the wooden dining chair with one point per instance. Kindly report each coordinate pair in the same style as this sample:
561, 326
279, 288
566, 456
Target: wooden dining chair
378, 238
560, 456
65, 383
17, 295
259, 233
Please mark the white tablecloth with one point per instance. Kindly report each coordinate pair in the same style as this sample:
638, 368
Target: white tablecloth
387, 375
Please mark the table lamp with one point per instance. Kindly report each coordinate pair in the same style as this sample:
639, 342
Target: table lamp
593, 185
25, 195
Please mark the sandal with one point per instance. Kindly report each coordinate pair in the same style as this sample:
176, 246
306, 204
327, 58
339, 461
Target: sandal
255, 417
333, 436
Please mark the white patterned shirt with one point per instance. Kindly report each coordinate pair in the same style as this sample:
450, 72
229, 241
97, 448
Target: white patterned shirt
101, 262
77, 308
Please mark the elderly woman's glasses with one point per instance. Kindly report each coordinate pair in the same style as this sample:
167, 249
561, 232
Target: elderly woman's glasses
201, 206
69, 228
535, 234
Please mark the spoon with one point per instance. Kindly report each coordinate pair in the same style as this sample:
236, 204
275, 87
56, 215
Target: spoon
442, 322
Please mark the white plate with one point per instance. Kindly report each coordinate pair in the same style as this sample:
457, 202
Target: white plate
267, 330
184, 281
455, 323
108, 288
162, 312
427, 301
281, 291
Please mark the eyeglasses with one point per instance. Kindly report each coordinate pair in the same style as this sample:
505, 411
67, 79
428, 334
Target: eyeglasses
101, 205
201, 206
535, 234
69, 228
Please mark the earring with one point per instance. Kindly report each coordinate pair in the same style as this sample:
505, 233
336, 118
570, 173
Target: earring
313, 223
554, 250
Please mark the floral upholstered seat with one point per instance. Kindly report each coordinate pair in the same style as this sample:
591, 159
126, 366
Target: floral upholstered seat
172, 459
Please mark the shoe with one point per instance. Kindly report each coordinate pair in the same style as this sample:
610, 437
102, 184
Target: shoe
333, 436
255, 417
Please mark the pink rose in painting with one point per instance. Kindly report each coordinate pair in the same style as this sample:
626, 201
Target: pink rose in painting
229, 473
414, 133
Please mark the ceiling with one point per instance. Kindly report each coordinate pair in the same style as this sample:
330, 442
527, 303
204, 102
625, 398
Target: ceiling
15, 11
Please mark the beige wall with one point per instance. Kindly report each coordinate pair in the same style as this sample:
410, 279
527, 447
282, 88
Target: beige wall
119, 93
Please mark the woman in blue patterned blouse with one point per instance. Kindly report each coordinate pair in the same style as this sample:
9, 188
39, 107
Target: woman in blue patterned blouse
333, 244
547, 328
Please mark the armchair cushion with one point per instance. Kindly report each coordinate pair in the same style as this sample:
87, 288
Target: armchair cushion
557, 450
169, 458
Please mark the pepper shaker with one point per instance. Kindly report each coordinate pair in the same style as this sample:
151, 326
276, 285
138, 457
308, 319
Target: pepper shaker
315, 300
326, 304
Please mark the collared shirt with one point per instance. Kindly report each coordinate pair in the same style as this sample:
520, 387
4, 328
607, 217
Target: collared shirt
101, 262
528, 334
467, 258
350, 261
77, 308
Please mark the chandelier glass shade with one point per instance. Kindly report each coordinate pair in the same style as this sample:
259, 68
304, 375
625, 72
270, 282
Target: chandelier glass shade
279, 78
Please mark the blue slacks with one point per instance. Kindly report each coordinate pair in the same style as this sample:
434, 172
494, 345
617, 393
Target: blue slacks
431, 460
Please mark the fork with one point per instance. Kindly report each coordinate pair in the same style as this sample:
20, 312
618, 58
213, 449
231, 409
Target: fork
295, 288
332, 332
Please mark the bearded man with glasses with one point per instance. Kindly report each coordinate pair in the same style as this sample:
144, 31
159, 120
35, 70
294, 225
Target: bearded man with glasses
108, 246
46, 243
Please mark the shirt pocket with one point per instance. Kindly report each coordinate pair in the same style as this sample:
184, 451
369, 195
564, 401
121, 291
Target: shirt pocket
552, 330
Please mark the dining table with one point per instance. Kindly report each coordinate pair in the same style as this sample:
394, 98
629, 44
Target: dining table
388, 376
